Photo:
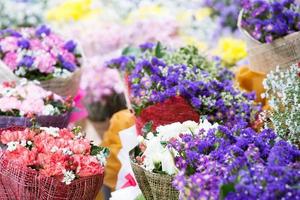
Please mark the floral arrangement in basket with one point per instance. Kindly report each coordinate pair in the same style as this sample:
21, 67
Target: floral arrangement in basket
174, 87
50, 163
25, 100
272, 33
282, 91
153, 161
39, 54
235, 163
267, 21
104, 90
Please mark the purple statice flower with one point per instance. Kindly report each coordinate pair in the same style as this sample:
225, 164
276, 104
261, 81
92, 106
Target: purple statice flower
24, 43
70, 46
236, 163
26, 61
43, 30
227, 11
147, 46
267, 21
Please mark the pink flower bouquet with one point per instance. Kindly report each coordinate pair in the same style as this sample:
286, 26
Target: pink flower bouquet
49, 163
38, 54
19, 103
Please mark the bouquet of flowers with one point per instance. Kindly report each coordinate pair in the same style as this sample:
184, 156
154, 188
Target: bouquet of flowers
39, 54
20, 102
49, 163
153, 161
236, 163
174, 87
272, 30
282, 91
104, 90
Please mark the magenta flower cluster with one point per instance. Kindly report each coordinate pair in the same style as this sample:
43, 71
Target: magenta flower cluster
267, 21
236, 163
38, 53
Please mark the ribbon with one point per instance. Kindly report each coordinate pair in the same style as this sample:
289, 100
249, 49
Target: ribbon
130, 181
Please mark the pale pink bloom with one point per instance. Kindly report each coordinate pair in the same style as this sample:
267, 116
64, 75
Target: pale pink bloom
54, 40
36, 45
10, 59
9, 44
66, 134
9, 103
68, 56
46, 63
32, 106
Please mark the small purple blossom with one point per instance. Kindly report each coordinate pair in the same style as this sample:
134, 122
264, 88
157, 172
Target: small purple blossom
26, 61
24, 43
43, 30
70, 46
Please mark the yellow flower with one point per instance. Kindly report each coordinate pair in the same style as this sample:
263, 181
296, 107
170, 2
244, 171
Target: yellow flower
202, 13
184, 16
146, 12
72, 10
231, 50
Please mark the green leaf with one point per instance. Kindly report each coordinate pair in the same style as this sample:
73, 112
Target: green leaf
226, 189
159, 50
131, 51
147, 127
97, 149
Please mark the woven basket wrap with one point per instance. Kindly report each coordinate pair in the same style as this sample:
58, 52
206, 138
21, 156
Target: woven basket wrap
154, 186
61, 86
161, 186
60, 121
174, 109
264, 57
141, 178
64, 86
22, 183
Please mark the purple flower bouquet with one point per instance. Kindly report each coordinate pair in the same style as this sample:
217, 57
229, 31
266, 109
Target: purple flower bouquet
272, 32
39, 54
236, 163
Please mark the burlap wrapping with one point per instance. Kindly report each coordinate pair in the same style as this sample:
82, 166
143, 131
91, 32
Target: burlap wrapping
141, 178
61, 86
264, 57
60, 121
154, 186
23, 183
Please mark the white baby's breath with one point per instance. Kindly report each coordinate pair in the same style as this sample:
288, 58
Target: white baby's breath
11, 146
69, 176
51, 131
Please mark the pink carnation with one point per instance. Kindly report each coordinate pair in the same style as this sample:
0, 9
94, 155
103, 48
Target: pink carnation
88, 165
9, 44
46, 63
12, 136
80, 146
22, 156
10, 59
